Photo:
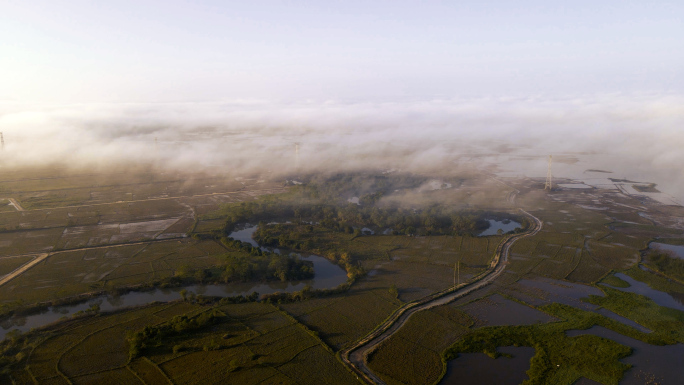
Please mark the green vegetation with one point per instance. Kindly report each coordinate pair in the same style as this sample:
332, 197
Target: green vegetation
145, 230
656, 281
323, 201
413, 355
152, 336
180, 343
559, 359
8, 265
614, 281
665, 263
667, 324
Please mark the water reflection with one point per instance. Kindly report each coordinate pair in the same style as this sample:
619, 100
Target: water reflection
651, 364
326, 275
659, 297
494, 226
677, 251
478, 368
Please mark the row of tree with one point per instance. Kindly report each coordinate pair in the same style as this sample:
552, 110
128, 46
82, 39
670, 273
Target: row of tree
153, 336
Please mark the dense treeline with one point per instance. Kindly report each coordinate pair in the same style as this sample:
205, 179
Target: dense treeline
430, 221
324, 201
244, 263
304, 203
368, 187
319, 199
152, 336
434, 220
272, 266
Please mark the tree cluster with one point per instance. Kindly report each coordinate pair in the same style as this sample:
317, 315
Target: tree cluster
153, 336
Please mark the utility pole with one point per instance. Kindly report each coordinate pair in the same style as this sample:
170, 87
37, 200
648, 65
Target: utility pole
296, 154
2, 142
457, 268
549, 178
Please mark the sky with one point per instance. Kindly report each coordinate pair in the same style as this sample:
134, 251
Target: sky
234, 84
125, 51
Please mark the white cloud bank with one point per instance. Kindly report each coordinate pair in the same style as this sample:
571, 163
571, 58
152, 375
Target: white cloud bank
247, 136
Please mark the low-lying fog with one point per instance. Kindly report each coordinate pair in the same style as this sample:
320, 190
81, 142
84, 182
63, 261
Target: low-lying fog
638, 137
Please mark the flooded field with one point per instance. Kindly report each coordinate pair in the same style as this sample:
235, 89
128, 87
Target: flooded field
651, 364
659, 297
496, 310
478, 368
541, 291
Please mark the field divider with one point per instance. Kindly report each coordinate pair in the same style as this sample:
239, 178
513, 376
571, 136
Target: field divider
23, 268
158, 368
390, 326
305, 328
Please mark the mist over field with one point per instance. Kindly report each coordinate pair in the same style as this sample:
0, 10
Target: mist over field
255, 136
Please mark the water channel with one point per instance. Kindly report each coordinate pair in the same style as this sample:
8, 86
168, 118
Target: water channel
660, 297
326, 275
651, 364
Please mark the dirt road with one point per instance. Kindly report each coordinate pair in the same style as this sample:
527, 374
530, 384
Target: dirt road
16, 204
273, 190
40, 258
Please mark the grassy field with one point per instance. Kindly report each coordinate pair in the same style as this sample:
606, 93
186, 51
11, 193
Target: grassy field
117, 230
106, 230
71, 273
342, 319
8, 265
254, 343
413, 355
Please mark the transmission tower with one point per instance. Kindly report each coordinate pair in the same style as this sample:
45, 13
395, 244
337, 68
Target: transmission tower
2, 142
549, 178
296, 154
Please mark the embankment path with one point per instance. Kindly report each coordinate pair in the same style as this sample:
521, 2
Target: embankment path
355, 356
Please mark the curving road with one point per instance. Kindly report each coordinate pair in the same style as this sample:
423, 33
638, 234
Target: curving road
355, 356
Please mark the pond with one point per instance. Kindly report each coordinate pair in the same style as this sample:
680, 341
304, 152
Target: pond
505, 225
478, 368
354, 200
496, 310
651, 364
677, 251
245, 235
326, 276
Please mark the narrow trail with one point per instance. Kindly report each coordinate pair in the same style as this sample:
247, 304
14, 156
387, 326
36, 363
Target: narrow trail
355, 356
16, 204
21, 269
41, 257
240, 191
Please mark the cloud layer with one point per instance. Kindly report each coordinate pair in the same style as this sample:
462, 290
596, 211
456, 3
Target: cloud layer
248, 136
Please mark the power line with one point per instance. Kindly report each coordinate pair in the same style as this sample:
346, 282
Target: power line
549, 178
